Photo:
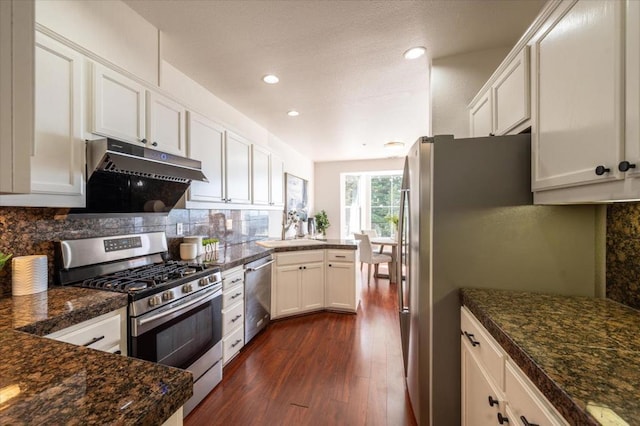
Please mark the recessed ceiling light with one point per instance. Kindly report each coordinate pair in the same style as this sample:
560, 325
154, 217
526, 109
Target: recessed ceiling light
394, 145
415, 52
293, 113
270, 79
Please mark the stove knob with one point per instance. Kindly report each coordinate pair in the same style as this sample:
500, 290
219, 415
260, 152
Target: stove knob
168, 295
203, 282
154, 301
212, 278
187, 288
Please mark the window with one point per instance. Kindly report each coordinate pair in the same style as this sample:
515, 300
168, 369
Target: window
370, 200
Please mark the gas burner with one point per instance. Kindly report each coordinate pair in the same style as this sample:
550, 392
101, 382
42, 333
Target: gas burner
188, 271
135, 286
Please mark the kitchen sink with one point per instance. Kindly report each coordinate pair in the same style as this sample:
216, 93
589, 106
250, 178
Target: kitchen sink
290, 243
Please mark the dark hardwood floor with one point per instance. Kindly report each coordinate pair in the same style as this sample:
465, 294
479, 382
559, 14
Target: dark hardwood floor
318, 369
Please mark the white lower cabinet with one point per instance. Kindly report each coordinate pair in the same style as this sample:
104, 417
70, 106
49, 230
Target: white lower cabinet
232, 313
493, 388
341, 275
105, 333
298, 283
312, 280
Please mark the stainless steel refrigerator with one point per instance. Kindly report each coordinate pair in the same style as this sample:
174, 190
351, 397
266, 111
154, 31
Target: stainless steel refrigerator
467, 220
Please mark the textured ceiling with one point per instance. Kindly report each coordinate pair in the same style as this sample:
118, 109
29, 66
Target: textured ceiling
340, 62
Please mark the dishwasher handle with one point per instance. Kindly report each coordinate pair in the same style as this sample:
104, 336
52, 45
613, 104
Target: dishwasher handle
264, 265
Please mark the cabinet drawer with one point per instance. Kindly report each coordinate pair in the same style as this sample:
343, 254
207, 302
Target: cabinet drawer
232, 318
232, 344
103, 334
525, 400
232, 277
341, 255
485, 348
232, 296
301, 257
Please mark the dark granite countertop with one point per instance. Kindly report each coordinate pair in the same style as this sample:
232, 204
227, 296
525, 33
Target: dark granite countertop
51, 382
581, 352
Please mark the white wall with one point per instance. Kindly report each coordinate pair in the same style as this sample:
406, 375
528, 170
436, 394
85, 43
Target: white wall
327, 185
455, 80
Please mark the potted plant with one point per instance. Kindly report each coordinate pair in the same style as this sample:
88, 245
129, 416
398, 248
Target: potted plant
322, 222
393, 221
3, 259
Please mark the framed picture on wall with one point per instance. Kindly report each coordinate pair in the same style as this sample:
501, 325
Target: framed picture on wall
295, 192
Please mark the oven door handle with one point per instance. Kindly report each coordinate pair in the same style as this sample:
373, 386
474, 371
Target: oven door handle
180, 307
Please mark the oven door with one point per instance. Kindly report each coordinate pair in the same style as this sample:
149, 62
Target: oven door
186, 334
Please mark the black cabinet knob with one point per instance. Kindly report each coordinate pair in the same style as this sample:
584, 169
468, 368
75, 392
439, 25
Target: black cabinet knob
625, 166
492, 401
502, 419
144, 141
600, 170
155, 144
492, 134
526, 423
473, 341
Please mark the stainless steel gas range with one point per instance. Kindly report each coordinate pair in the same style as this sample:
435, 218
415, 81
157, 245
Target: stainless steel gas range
175, 307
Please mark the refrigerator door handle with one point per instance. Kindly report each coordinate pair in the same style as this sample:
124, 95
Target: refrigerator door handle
402, 253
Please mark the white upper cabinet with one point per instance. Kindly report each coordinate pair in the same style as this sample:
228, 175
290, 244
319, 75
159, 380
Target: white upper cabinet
58, 157
578, 95
118, 106
480, 116
237, 169
17, 25
277, 181
206, 144
260, 175
165, 124
511, 95
503, 105
57, 162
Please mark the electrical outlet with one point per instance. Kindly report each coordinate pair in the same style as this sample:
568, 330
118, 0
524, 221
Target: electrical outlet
179, 230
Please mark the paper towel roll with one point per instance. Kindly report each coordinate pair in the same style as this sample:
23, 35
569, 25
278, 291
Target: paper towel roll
29, 274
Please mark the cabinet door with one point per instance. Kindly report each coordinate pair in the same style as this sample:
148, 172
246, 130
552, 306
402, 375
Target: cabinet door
477, 389
17, 20
118, 106
480, 117
287, 290
525, 401
57, 162
578, 95
237, 169
206, 143
260, 175
511, 95
277, 181
312, 286
165, 124
341, 286
632, 85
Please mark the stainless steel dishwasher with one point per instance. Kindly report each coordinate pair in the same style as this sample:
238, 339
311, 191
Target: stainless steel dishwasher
257, 296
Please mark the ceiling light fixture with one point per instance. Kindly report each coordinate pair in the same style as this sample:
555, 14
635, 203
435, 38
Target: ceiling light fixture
270, 79
293, 113
394, 145
415, 52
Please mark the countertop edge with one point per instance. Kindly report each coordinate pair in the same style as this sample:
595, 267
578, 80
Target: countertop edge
566, 406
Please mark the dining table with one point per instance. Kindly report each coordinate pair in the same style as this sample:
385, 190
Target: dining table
382, 242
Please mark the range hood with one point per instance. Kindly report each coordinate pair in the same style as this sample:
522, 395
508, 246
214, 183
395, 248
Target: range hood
123, 178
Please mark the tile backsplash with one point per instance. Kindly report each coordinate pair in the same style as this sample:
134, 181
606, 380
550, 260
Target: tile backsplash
26, 231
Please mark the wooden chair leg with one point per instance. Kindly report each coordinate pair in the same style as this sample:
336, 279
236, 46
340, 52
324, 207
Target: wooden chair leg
369, 275
375, 270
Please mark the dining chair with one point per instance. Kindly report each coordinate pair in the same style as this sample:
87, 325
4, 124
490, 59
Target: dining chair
372, 233
367, 255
